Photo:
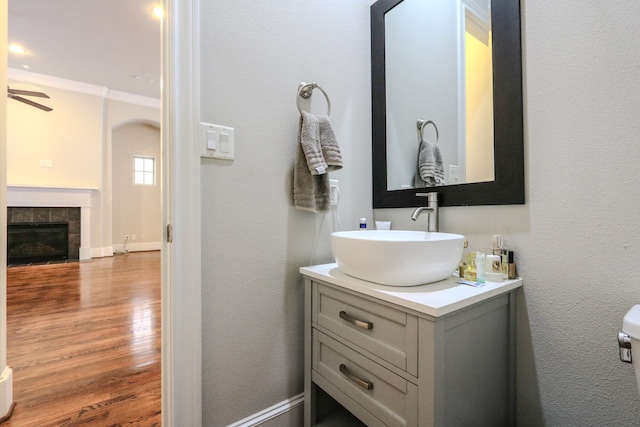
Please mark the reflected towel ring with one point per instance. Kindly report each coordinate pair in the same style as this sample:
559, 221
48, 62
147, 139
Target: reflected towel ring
305, 90
423, 124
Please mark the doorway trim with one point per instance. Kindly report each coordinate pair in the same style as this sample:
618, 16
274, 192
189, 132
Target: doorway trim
181, 311
181, 264
6, 376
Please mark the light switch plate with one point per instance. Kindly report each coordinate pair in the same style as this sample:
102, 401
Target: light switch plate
454, 174
216, 142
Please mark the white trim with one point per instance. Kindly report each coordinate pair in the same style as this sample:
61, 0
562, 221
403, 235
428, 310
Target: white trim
29, 196
181, 272
107, 251
6, 381
55, 82
130, 98
6, 390
88, 89
270, 413
136, 247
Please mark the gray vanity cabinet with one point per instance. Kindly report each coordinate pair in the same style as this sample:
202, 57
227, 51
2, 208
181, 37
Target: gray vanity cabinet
389, 365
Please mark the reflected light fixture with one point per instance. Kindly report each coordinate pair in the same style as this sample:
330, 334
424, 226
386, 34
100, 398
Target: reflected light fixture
157, 11
17, 49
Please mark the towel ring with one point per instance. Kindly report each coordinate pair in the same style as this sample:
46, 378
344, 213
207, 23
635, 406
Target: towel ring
423, 124
305, 90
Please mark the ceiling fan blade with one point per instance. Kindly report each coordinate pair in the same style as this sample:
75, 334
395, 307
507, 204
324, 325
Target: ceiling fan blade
27, 93
29, 102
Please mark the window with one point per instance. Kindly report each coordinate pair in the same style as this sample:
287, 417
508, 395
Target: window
144, 170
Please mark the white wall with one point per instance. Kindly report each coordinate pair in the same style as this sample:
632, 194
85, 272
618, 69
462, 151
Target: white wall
70, 137
136, 208
120, 113
576, 237
254, 55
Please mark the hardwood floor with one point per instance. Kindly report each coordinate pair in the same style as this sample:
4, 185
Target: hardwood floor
83, 340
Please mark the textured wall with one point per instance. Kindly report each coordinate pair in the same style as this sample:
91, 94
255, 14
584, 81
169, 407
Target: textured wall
136, 208
254, 55
576, 237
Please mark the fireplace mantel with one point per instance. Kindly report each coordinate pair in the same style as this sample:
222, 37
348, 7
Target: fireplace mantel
45, 197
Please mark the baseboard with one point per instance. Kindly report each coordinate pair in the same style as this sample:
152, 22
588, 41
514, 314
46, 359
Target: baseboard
271, 414
6, 393
101, 252
85, 254
136, 247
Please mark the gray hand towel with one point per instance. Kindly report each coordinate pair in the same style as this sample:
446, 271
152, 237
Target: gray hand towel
430, 170
318, 152
310, 192
319, 144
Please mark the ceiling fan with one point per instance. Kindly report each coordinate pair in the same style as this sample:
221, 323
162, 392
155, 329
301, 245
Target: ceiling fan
15, 94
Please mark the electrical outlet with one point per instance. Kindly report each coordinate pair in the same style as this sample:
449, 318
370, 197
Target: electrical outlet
143, 236
334, 192
134, 237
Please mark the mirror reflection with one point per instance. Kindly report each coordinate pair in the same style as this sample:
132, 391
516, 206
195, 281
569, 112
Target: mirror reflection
439, 93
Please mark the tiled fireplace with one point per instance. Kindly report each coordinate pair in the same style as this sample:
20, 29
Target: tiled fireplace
45, 213
42, 234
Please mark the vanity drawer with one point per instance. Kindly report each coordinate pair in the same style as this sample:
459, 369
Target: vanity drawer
382, 330
387, 396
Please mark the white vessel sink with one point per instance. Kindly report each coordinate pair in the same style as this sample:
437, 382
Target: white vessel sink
397, 257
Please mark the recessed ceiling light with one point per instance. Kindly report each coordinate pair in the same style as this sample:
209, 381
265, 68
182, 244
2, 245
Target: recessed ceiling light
14, 48
157, 11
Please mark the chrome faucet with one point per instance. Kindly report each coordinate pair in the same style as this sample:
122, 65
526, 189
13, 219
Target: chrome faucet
431, 208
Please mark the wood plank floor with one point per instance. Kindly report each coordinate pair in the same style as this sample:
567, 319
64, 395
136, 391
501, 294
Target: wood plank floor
83, 340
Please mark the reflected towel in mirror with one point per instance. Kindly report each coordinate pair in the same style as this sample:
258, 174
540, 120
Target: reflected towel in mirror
430, 170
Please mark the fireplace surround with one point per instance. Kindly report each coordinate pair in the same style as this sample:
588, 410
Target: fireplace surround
39, 234
32, 204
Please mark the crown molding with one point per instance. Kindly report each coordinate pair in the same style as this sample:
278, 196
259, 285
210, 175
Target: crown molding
75, 86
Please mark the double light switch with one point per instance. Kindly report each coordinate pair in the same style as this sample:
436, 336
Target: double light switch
216, 141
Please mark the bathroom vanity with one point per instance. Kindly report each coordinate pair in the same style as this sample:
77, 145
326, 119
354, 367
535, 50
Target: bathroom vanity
441, 354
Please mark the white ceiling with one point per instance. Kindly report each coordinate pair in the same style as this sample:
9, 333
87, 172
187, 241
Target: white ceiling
109, 43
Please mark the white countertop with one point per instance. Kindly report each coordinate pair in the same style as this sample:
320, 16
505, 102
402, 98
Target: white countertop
435, 299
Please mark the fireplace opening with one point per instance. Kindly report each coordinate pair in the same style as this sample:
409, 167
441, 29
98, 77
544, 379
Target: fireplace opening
37, 242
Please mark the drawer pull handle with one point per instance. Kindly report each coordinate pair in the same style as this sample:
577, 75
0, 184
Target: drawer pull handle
367, 385
360, 323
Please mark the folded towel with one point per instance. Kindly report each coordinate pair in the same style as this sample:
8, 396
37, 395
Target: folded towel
430, 170
319, 144
310, 192
318, 152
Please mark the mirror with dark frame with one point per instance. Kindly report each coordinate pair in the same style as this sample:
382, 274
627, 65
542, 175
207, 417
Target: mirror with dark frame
506, 185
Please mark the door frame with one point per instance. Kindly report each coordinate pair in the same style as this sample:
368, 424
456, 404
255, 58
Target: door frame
181, 264
181, 310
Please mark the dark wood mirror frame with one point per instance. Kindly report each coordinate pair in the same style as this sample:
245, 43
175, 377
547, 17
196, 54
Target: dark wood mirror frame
508, 186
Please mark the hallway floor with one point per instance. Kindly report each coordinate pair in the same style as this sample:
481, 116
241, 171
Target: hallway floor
83, 340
